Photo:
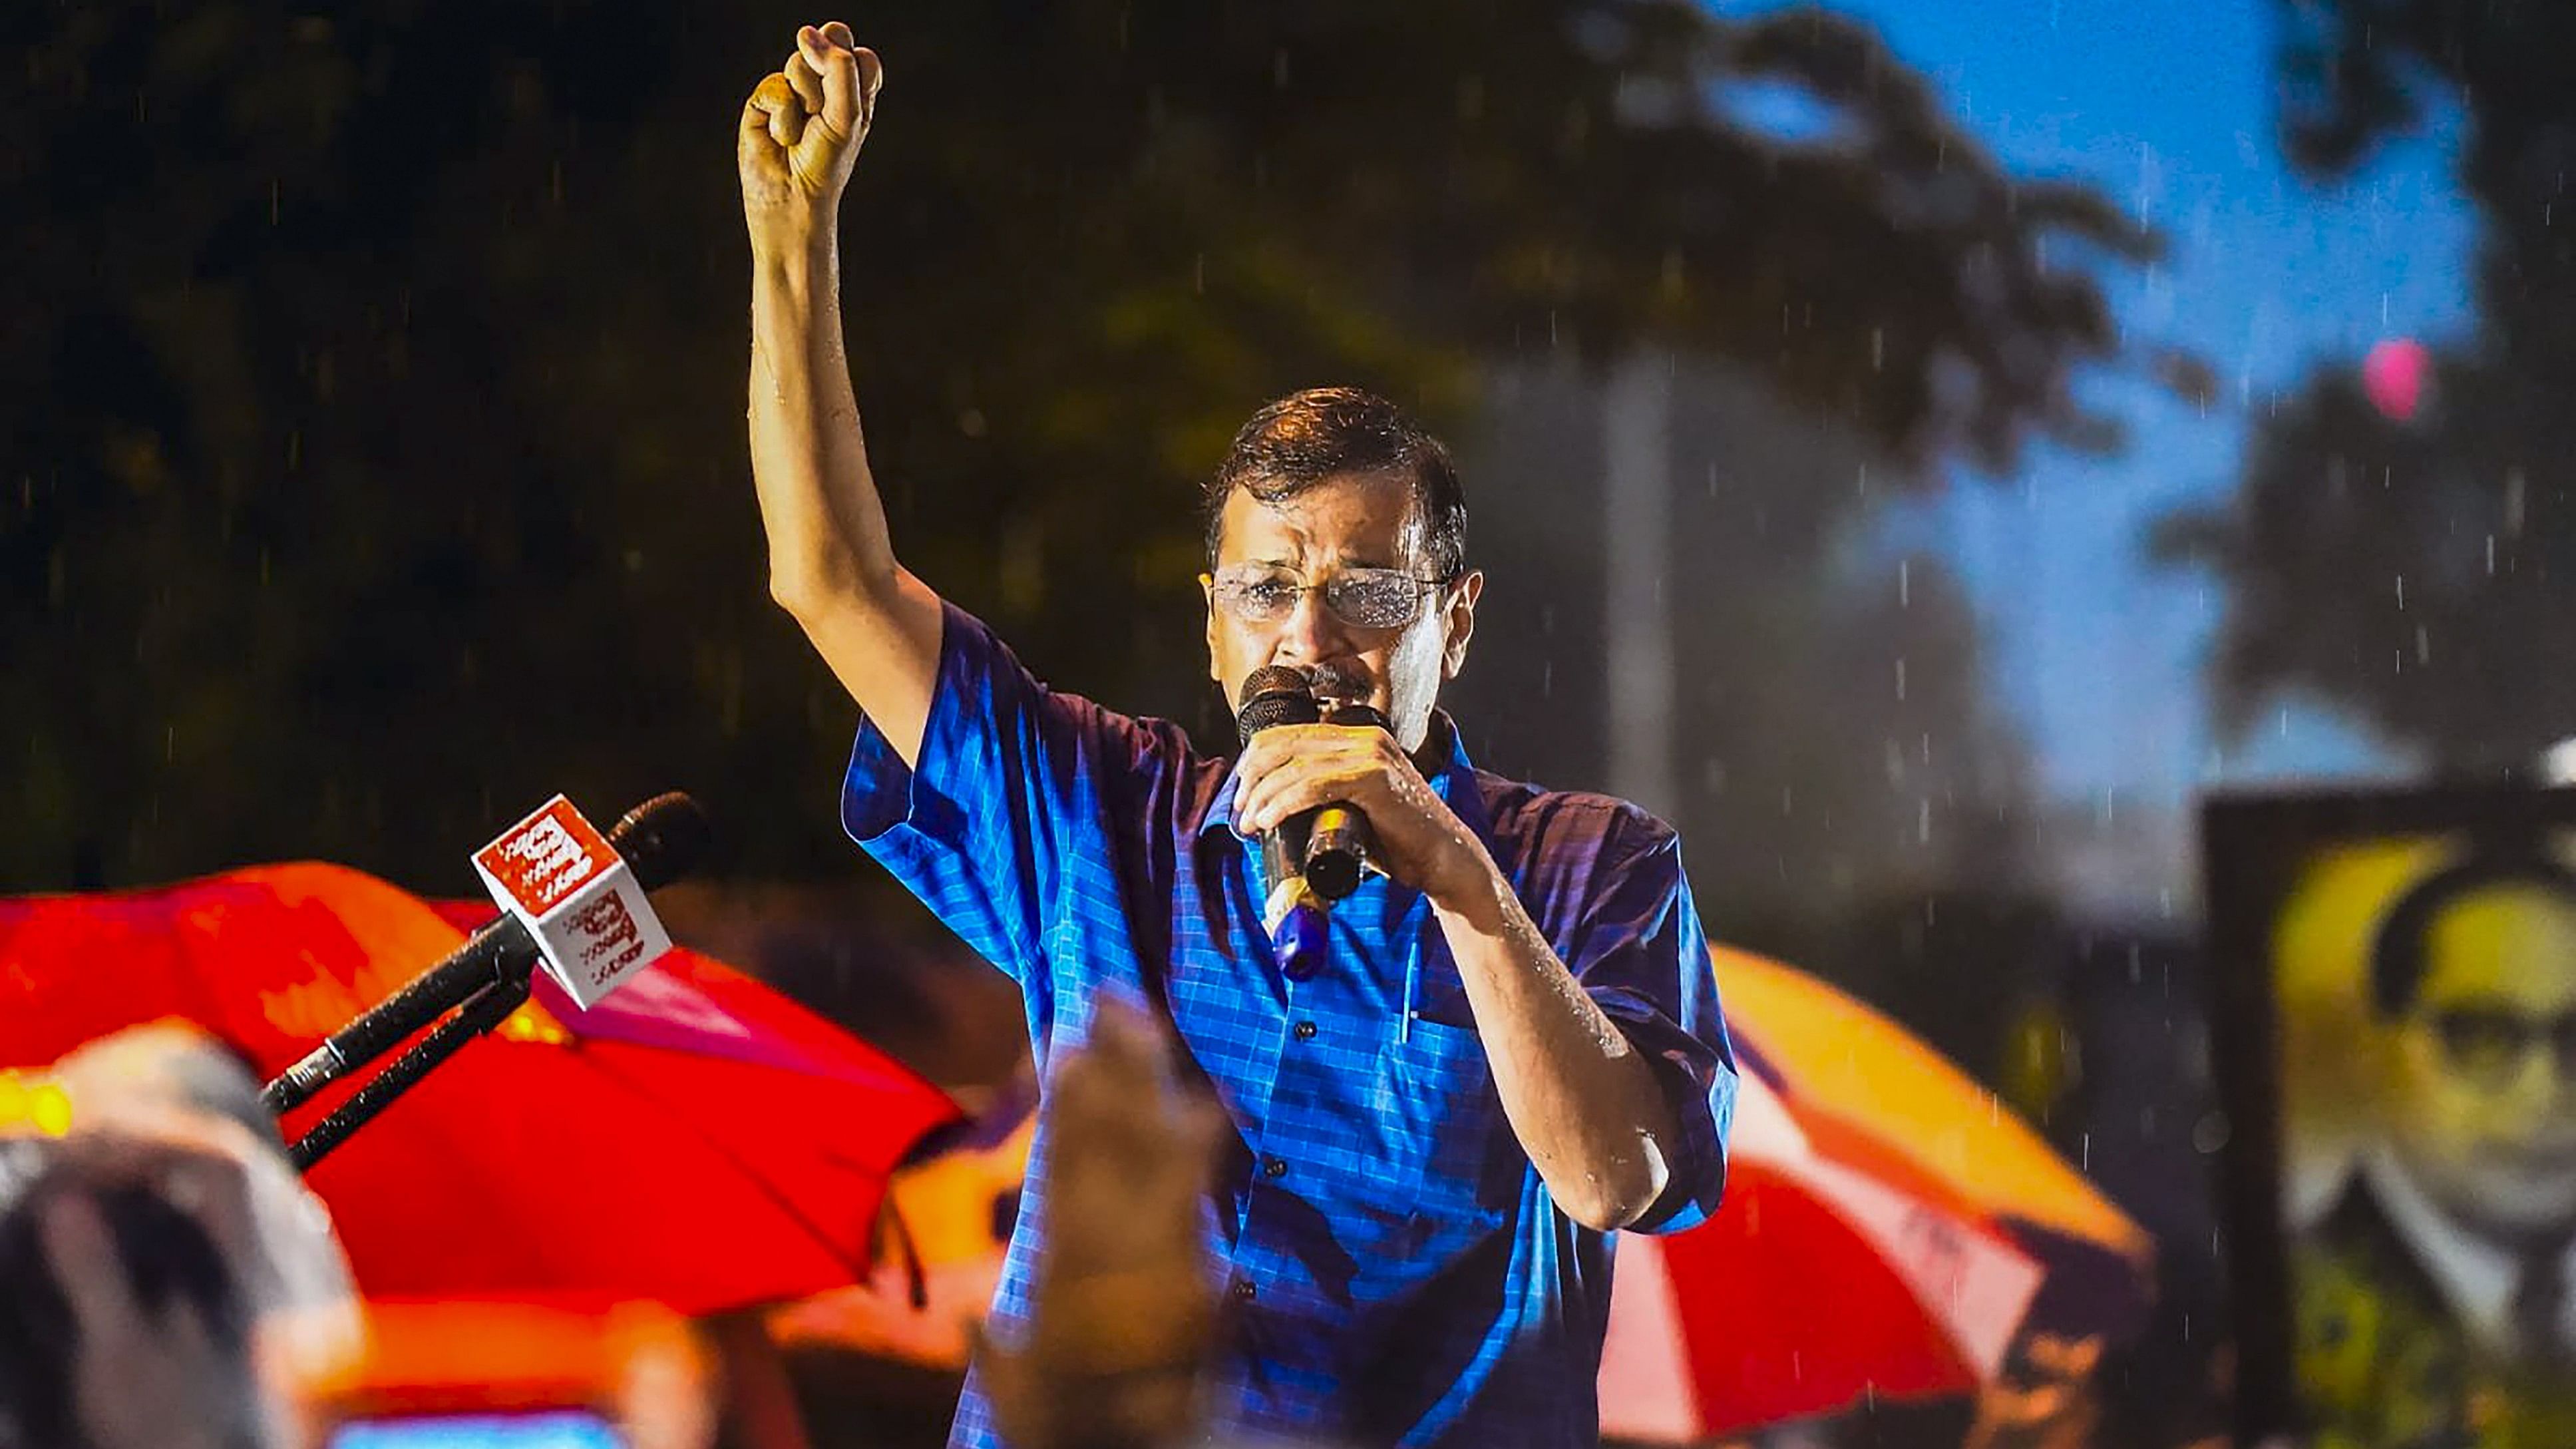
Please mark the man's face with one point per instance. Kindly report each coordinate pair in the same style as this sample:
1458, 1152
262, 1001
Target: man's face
1333, 530
2484, 1108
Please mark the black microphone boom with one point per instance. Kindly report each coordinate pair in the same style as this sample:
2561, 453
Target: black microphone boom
660, 840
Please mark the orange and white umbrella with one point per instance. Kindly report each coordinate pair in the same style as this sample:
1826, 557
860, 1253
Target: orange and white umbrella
1888, 1229
1817, 1283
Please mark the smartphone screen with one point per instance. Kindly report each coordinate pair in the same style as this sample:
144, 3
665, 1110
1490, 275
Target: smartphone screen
570, 1429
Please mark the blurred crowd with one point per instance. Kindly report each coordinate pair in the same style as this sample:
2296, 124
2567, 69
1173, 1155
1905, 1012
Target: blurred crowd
167, 1281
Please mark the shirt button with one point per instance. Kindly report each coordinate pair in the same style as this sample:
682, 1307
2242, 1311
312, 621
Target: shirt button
1305, 1031
1274, 1167
1243, 1290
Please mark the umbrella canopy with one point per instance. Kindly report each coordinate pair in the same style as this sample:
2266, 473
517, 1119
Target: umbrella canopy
1889, 1229
1818, 1283
695, 1140
1866, 1090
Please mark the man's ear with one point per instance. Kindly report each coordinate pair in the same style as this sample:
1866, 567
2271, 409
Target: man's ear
1207, 595
1459, 622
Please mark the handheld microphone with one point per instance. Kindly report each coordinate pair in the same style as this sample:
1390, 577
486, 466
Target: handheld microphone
1277, 695
1337, 838
567, 905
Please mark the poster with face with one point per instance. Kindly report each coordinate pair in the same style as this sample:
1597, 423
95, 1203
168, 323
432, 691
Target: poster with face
2396, 1039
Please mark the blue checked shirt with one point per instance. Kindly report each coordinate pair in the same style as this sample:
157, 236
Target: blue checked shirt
1398, 1272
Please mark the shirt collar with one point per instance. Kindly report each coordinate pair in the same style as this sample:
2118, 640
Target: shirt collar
1451, 775
2476, 1277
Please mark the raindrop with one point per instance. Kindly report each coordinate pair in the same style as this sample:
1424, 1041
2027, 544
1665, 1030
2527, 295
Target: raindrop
1900, 677
2209, 1134
1904, 583
2490, 555
2401, 593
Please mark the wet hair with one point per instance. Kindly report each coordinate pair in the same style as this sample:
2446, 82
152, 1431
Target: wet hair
2400, 956
1329, 432
165, 1255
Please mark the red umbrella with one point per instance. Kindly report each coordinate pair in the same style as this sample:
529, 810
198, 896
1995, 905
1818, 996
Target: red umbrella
695, 1139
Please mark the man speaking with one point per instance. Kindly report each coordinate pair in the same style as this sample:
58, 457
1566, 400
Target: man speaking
1453, 1083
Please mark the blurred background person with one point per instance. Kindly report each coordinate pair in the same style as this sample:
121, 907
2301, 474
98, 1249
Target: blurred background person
126, 1321
171, 1081
1124, 1315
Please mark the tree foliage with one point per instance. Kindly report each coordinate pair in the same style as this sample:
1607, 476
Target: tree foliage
373, 415
2421, 571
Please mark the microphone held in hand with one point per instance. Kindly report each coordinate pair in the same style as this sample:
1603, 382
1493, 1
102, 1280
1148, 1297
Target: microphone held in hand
1277, 695
657, 842
1338, 840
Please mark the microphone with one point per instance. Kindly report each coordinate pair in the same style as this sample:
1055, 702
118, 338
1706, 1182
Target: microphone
579, 918
1277, 695
1337, 839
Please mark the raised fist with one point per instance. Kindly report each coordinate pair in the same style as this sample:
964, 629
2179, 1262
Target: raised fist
801, 130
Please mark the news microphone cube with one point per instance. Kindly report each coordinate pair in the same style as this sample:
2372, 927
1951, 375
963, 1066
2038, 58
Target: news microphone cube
578, 898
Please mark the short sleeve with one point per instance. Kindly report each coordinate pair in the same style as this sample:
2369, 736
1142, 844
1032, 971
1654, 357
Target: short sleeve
1639, 952
1007, 788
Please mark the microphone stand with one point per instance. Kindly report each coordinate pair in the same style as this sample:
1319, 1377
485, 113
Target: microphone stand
482, 1011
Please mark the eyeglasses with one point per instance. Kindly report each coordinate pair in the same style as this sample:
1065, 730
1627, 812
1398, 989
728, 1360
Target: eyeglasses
2490, 1044
1363, 598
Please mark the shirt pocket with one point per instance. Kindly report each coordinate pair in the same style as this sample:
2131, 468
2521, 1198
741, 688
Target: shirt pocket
1445, 1109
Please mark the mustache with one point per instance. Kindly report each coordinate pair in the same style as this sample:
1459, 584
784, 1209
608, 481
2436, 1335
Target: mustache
1335, 683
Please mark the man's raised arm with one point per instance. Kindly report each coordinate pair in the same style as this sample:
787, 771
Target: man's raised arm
831, 564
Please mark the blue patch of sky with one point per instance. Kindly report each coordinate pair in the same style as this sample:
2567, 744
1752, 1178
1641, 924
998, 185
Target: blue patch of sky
2099, 654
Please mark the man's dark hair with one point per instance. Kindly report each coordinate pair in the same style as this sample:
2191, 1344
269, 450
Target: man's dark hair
2399, 958
1328, 432
164, 1255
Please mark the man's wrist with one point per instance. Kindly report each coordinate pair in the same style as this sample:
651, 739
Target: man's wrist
795, 256
1475, 895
